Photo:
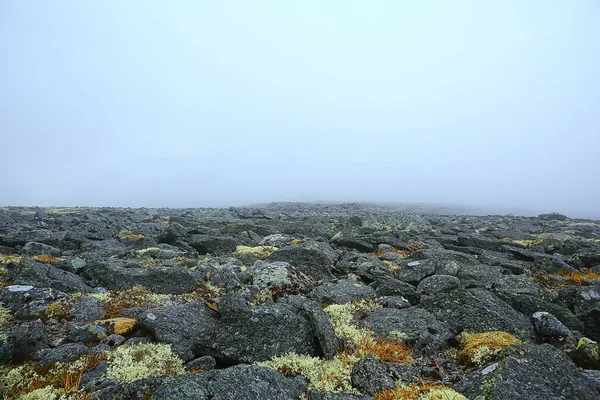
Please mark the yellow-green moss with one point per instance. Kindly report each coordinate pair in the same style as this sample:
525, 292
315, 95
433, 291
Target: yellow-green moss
256, 252
331, 375
129, 364
58, 311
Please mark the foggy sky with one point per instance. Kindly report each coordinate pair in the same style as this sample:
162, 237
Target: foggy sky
197, 103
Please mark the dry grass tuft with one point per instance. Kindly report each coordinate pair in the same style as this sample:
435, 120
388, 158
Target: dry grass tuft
479, 348
579, 276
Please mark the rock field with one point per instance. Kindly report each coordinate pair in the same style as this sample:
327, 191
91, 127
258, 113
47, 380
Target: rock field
297, 301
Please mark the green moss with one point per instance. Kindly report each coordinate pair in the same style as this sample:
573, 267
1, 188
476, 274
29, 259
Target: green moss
585, 342
129, 364
330, 375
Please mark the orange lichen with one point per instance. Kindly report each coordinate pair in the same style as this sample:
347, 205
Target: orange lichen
419, 391
47, 258
118, 325
579, 276
380, 252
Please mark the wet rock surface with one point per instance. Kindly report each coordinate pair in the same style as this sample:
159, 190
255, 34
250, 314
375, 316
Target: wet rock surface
292, 300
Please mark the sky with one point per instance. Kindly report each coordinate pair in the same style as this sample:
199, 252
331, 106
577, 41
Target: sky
198, 103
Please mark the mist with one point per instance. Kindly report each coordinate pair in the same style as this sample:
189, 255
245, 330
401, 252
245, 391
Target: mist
195, 104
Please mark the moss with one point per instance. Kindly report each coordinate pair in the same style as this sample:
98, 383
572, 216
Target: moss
45, 393
256, 252
524, 243
10, 259
419, 391
330, 375
138, 296
34, 380
479, 348
129, 364
5, 315
57, 311
147, 251
128, 235
585, 342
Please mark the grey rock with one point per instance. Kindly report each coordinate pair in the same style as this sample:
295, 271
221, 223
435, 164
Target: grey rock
323, 329
28, 339
529, 372
394, 287
477, 311
204, 363
35, 248
87, 308
548, 328
249, 382
323, 395
438, 284
249, 334
118, 276
370, 375
314, 259
67, 352
28, 302
343, 291
272, 274
181, 325
29, 272
419, 328
529, 304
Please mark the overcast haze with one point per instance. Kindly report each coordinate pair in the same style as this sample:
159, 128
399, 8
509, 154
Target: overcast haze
197, 103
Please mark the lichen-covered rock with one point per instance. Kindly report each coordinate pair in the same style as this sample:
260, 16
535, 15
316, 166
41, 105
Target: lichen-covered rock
240, 382
394, 287
370, 375
438, 284
258, 333
271, 274
549, 329
29, 272
419, 328
314, 259
342, 291
67, 352
181, 325
27, 302
87, 308
476, 311
120, 276
536, 372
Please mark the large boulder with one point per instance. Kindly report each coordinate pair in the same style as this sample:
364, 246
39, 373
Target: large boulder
529, 372
122, 276
181, 325
477, 311
314, 259
258, 333
249, 382
419, 328
30, 272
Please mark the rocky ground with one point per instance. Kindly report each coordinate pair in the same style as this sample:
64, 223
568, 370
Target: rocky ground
297, 301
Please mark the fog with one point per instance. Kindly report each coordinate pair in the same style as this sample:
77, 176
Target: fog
193, 103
